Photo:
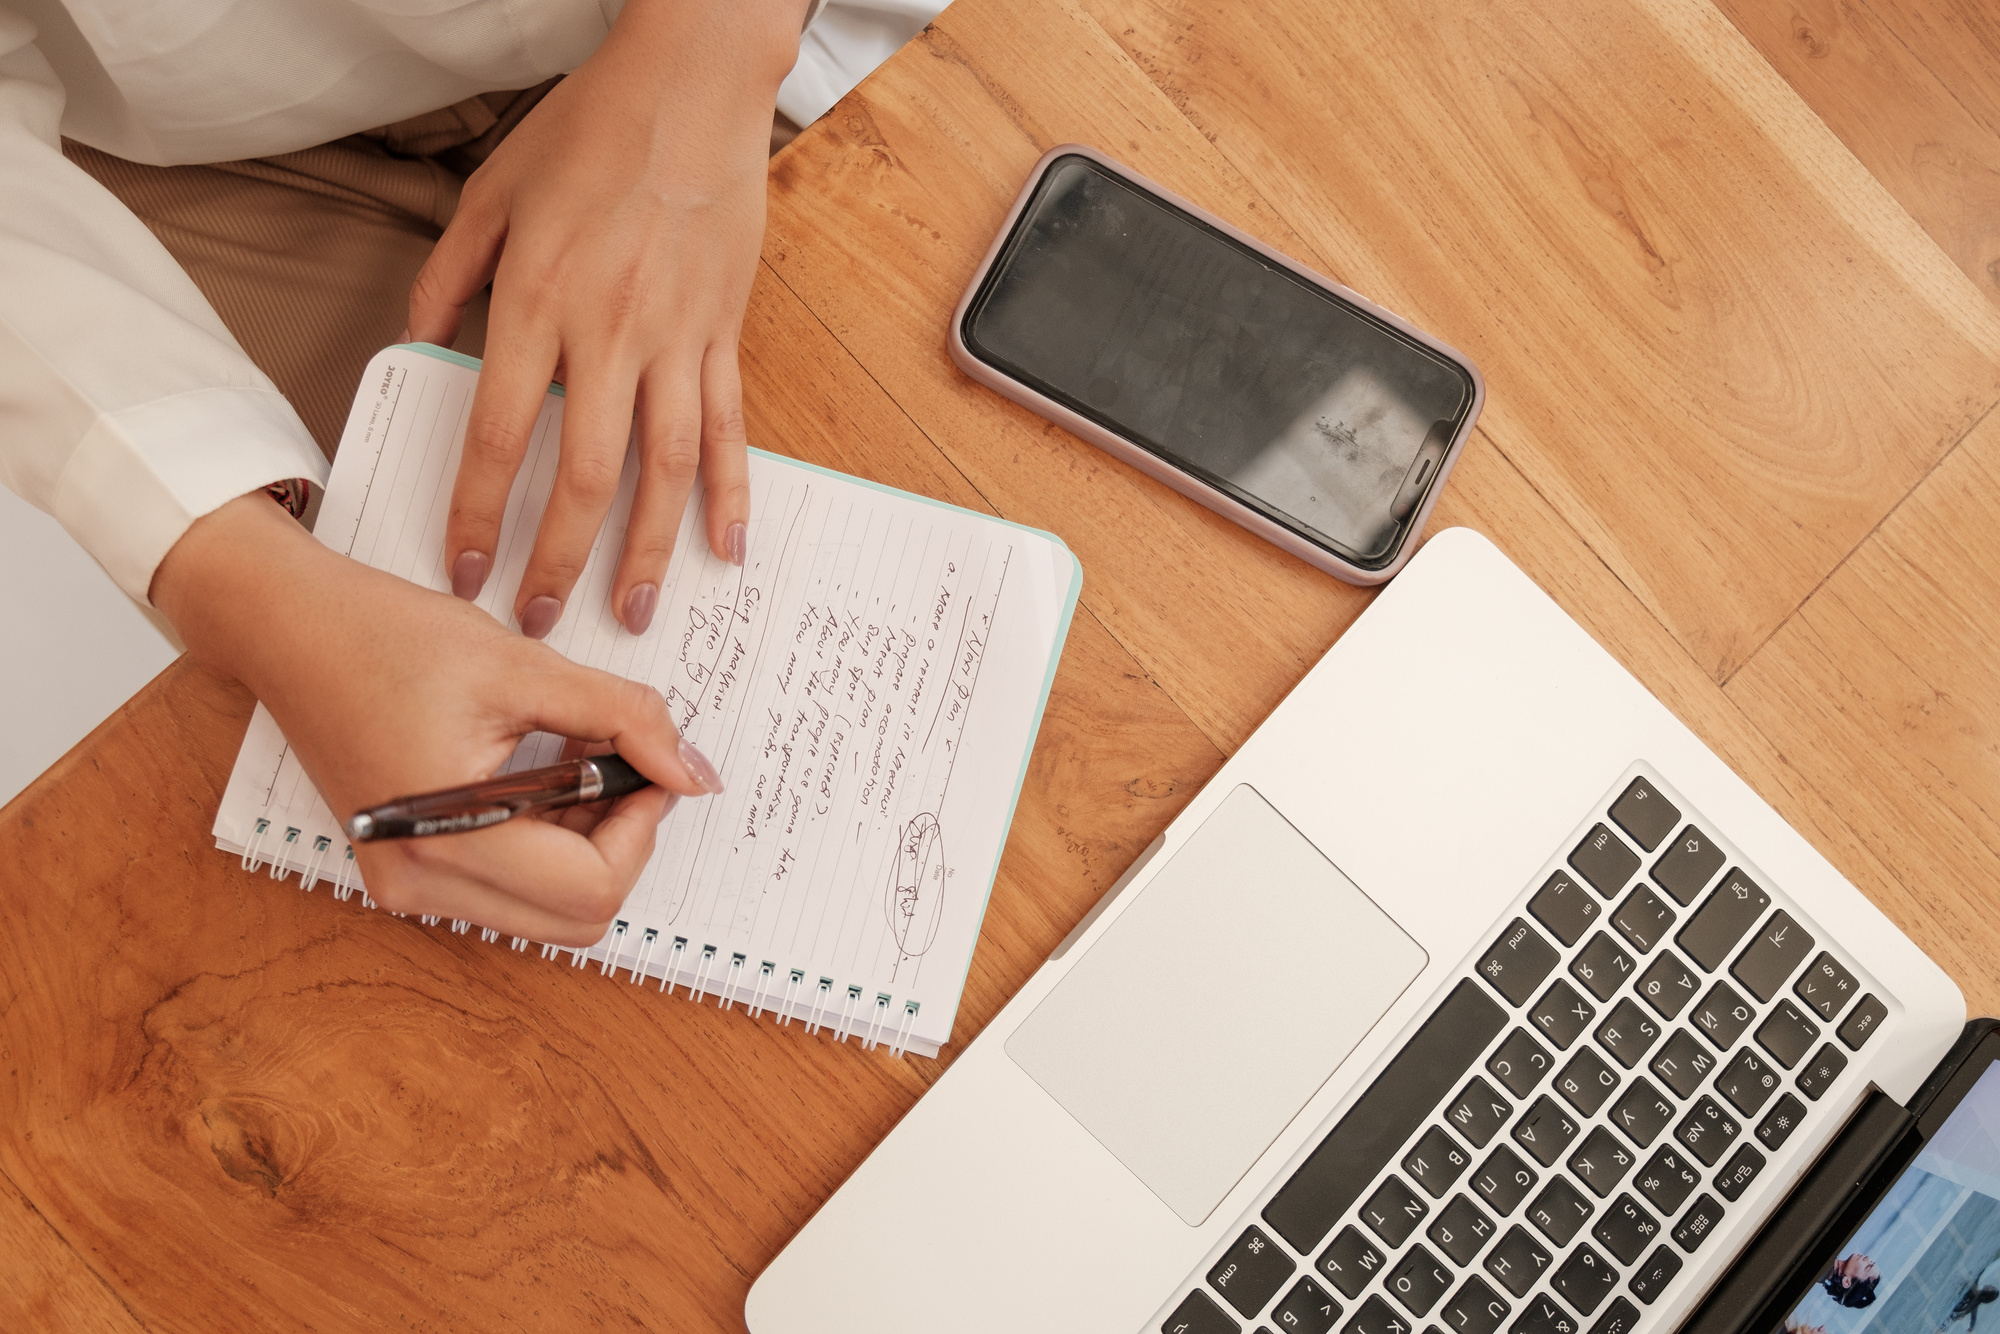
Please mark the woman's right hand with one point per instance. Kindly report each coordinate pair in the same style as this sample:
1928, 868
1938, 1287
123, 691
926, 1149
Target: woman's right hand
385, 690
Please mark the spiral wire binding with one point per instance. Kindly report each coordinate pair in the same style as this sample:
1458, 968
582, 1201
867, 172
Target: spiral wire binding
728, 988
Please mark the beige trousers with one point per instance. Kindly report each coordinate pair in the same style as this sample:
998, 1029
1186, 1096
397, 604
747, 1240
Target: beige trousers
308, 257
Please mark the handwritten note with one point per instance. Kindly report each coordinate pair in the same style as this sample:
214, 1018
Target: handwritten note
868, 682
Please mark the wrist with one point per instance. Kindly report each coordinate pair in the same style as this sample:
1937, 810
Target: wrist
756, 40
231, 573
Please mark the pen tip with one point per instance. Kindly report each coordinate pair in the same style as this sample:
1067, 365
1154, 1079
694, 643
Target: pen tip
361, 827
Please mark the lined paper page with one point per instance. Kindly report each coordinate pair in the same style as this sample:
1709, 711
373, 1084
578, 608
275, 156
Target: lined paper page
868, 683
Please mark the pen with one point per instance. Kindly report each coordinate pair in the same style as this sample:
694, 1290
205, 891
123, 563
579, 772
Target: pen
476, 805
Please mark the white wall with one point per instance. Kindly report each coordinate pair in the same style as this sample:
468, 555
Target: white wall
72, 647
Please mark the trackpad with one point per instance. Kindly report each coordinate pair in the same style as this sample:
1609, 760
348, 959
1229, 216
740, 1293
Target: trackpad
1196, 1028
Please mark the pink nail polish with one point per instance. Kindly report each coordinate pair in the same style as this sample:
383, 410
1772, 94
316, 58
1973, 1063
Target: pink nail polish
540, 616
700, 767
404, 337
468, 574
737, 540
673, 800
639, 604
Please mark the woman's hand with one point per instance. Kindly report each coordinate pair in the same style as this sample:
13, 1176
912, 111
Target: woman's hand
619, 225
387, 690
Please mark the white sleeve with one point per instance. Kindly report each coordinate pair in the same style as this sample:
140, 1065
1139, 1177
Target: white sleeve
127, 410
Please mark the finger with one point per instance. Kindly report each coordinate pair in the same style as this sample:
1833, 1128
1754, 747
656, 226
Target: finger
459, 267
669, 457
597, 424
574, 701
515, 379
725, 454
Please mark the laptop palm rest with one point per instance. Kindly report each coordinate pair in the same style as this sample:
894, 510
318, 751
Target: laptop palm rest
1217, 1004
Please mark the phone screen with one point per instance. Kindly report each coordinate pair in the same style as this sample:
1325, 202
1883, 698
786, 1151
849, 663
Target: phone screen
1153, 324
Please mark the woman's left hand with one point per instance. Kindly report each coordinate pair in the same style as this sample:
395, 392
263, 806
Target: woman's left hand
620, 225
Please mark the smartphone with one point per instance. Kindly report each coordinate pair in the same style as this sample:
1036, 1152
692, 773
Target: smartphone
1240, 378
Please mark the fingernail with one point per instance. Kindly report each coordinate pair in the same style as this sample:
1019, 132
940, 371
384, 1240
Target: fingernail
698, 765
737, 540
540, 616
673, 800
404, 337
639, 604
468, 574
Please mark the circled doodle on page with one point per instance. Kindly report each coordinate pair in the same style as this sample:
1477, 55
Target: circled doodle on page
914, 897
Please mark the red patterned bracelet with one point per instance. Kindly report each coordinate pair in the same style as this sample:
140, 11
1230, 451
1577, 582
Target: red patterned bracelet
293, 494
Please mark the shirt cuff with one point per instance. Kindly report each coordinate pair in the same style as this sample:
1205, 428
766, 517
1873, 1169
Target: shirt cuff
139, 478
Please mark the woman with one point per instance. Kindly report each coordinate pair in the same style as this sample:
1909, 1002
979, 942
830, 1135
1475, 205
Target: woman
617, 215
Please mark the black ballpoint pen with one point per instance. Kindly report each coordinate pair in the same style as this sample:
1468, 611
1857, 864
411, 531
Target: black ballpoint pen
476, 805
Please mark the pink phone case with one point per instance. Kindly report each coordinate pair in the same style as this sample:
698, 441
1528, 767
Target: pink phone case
1153, 466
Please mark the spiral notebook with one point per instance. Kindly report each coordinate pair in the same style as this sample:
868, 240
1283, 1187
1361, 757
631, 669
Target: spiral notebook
869, 682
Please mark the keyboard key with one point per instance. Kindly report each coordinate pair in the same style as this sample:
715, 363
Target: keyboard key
1198, 1314
1473, 1309
1384, 1118
1691, 862
1628, 1033
1250, 1271
1461, 1230
1520, 1063
1604, 860
1587, 1081
1697, 1223
1542, 1316
1621, 1317
1788, 1035
1436, 1163
1418, 1281
1307, 1309
1668, 984
1377, 1317
1769, 961
1561, 1014
1601, 1162
1707, 1131
1642, 1113
1825, 987
1644, 919
1747, 1082
1821, 1071
1585, 1280
1349, 1262
1626, 1229
1711, 934
1601, 966
1861, 1025
1722, 1015
1776, 1128
1545, 1131
1560, 1211
1393, 1211
1565, 908
1517, 1260
1478, 1113
1503, 1180
1654, 1276
1683, 1064
1518, 962
1644, 814
1666, 1179
1737, 1174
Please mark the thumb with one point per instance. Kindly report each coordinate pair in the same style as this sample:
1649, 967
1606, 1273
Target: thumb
461, 264
589, 705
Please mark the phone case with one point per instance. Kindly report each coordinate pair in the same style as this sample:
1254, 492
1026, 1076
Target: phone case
1153, 466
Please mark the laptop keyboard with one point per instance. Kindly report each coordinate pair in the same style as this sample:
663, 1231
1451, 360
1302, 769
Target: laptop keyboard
1578, 1115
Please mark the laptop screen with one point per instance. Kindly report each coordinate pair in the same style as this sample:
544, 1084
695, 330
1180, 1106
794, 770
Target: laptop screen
1928, 1257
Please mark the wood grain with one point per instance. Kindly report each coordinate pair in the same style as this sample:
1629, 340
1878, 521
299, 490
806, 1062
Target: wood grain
1712, 340
44, 1285
1911, 90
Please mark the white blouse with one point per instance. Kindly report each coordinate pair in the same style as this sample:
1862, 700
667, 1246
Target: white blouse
127, 410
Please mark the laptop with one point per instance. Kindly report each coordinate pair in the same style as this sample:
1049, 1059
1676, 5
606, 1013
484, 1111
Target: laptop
1474, 993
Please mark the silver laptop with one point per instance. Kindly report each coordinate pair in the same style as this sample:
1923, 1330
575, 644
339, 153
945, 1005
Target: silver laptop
1473, 994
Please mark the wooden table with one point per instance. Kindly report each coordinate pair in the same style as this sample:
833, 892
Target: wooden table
1730, 275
